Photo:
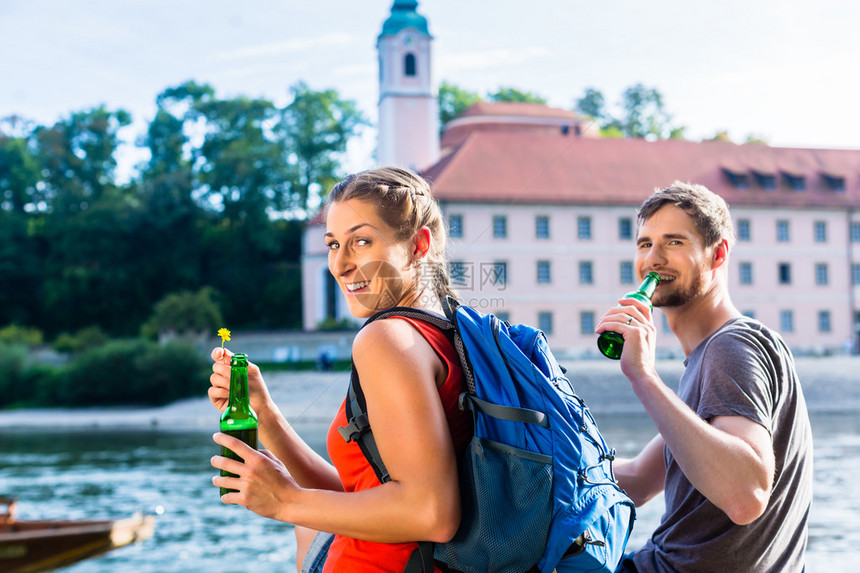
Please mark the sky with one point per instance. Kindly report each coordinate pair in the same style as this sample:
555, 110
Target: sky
782, 70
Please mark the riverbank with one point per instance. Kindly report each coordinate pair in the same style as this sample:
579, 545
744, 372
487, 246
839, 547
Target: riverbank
830, 384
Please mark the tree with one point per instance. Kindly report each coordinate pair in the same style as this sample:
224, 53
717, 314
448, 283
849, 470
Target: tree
316, 127
592, 104
19, 175
453, 101
642, 114
185, 313
77, 155
508, 94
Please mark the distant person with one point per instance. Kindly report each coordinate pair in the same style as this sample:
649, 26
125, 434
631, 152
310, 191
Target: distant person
734, 450
386, 244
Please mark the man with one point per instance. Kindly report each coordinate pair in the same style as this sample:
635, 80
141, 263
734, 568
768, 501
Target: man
734, 449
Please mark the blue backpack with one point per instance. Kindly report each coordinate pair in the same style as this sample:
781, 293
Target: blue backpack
536, 483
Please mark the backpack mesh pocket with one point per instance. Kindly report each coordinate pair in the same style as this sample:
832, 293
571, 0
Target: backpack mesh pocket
507, 507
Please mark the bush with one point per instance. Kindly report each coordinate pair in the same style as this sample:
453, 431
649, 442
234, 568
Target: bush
13, 390
184, 313
13, 334
84, 339
127, 372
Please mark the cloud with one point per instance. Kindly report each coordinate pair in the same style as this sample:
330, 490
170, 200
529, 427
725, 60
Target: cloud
292, 46
496, 58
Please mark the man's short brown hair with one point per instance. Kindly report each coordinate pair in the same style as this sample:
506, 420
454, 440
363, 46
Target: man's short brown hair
709, 211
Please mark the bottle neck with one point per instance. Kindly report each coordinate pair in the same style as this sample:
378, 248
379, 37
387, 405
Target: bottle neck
649, 285
238, 386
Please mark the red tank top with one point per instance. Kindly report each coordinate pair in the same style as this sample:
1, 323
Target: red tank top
353, 555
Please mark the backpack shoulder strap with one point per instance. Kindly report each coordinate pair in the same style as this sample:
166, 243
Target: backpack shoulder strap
358, 428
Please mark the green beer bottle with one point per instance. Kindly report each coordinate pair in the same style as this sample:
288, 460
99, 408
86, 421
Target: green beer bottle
238, 420
611, 343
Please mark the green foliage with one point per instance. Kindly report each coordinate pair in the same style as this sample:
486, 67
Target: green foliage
642, 114
185, 313
84, 339
508, 94
126, 372
13, 357
13, 334
316, 126
453, 101
332, 324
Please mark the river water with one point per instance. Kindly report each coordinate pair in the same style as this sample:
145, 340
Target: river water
98, 473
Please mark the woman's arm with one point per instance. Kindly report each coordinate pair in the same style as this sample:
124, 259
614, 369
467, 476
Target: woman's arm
399, 372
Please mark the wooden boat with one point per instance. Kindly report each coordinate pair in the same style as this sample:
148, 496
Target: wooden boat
41, 545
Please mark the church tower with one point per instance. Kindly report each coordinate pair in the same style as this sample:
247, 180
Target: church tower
408, 107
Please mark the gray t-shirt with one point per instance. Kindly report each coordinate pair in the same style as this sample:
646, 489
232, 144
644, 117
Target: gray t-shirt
743, 369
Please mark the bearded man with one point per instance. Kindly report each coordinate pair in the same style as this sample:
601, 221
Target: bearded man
734, 451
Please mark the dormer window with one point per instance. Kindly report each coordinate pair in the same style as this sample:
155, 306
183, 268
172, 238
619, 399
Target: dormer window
765, 180
409, 65
834, 182
738, 179
796, 182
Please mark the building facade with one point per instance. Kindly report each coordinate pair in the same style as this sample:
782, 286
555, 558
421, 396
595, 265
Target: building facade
542, 219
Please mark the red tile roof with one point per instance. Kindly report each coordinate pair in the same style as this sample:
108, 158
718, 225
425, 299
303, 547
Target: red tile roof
517, 109
492, 166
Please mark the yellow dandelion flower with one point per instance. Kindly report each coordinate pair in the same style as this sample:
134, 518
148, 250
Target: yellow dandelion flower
224, 334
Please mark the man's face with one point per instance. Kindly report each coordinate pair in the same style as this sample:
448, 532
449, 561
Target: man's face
669, 244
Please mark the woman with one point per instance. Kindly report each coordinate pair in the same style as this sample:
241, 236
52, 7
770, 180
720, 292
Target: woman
386, 244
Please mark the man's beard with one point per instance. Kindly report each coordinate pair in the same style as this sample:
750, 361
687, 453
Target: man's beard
677, 297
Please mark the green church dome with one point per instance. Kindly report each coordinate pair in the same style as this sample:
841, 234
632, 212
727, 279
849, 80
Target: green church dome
404, 15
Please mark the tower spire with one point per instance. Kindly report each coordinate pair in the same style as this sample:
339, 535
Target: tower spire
408, 109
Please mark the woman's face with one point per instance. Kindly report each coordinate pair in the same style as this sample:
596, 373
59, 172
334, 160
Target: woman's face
373, 268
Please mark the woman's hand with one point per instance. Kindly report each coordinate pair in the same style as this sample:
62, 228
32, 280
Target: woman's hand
263, 485
219, 392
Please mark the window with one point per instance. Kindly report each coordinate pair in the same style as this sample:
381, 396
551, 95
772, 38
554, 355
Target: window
543, 272
821, 274
497, 274
745, 273
542, 227
409, 68
738, 179
586, 322
834, 182
782, 234
459, 273
586, 273
744, 230
823, 321
855, 274
820, 231
500, 226
625, 228
784, 271
766, 180
545, 322
855, 232
626, 273
796, 182
786, 320
455, 226
583, 227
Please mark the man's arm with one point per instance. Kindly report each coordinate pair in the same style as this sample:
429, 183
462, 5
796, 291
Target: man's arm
643, 476
729, 460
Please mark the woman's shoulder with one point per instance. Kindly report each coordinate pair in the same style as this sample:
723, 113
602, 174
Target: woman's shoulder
387, 336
